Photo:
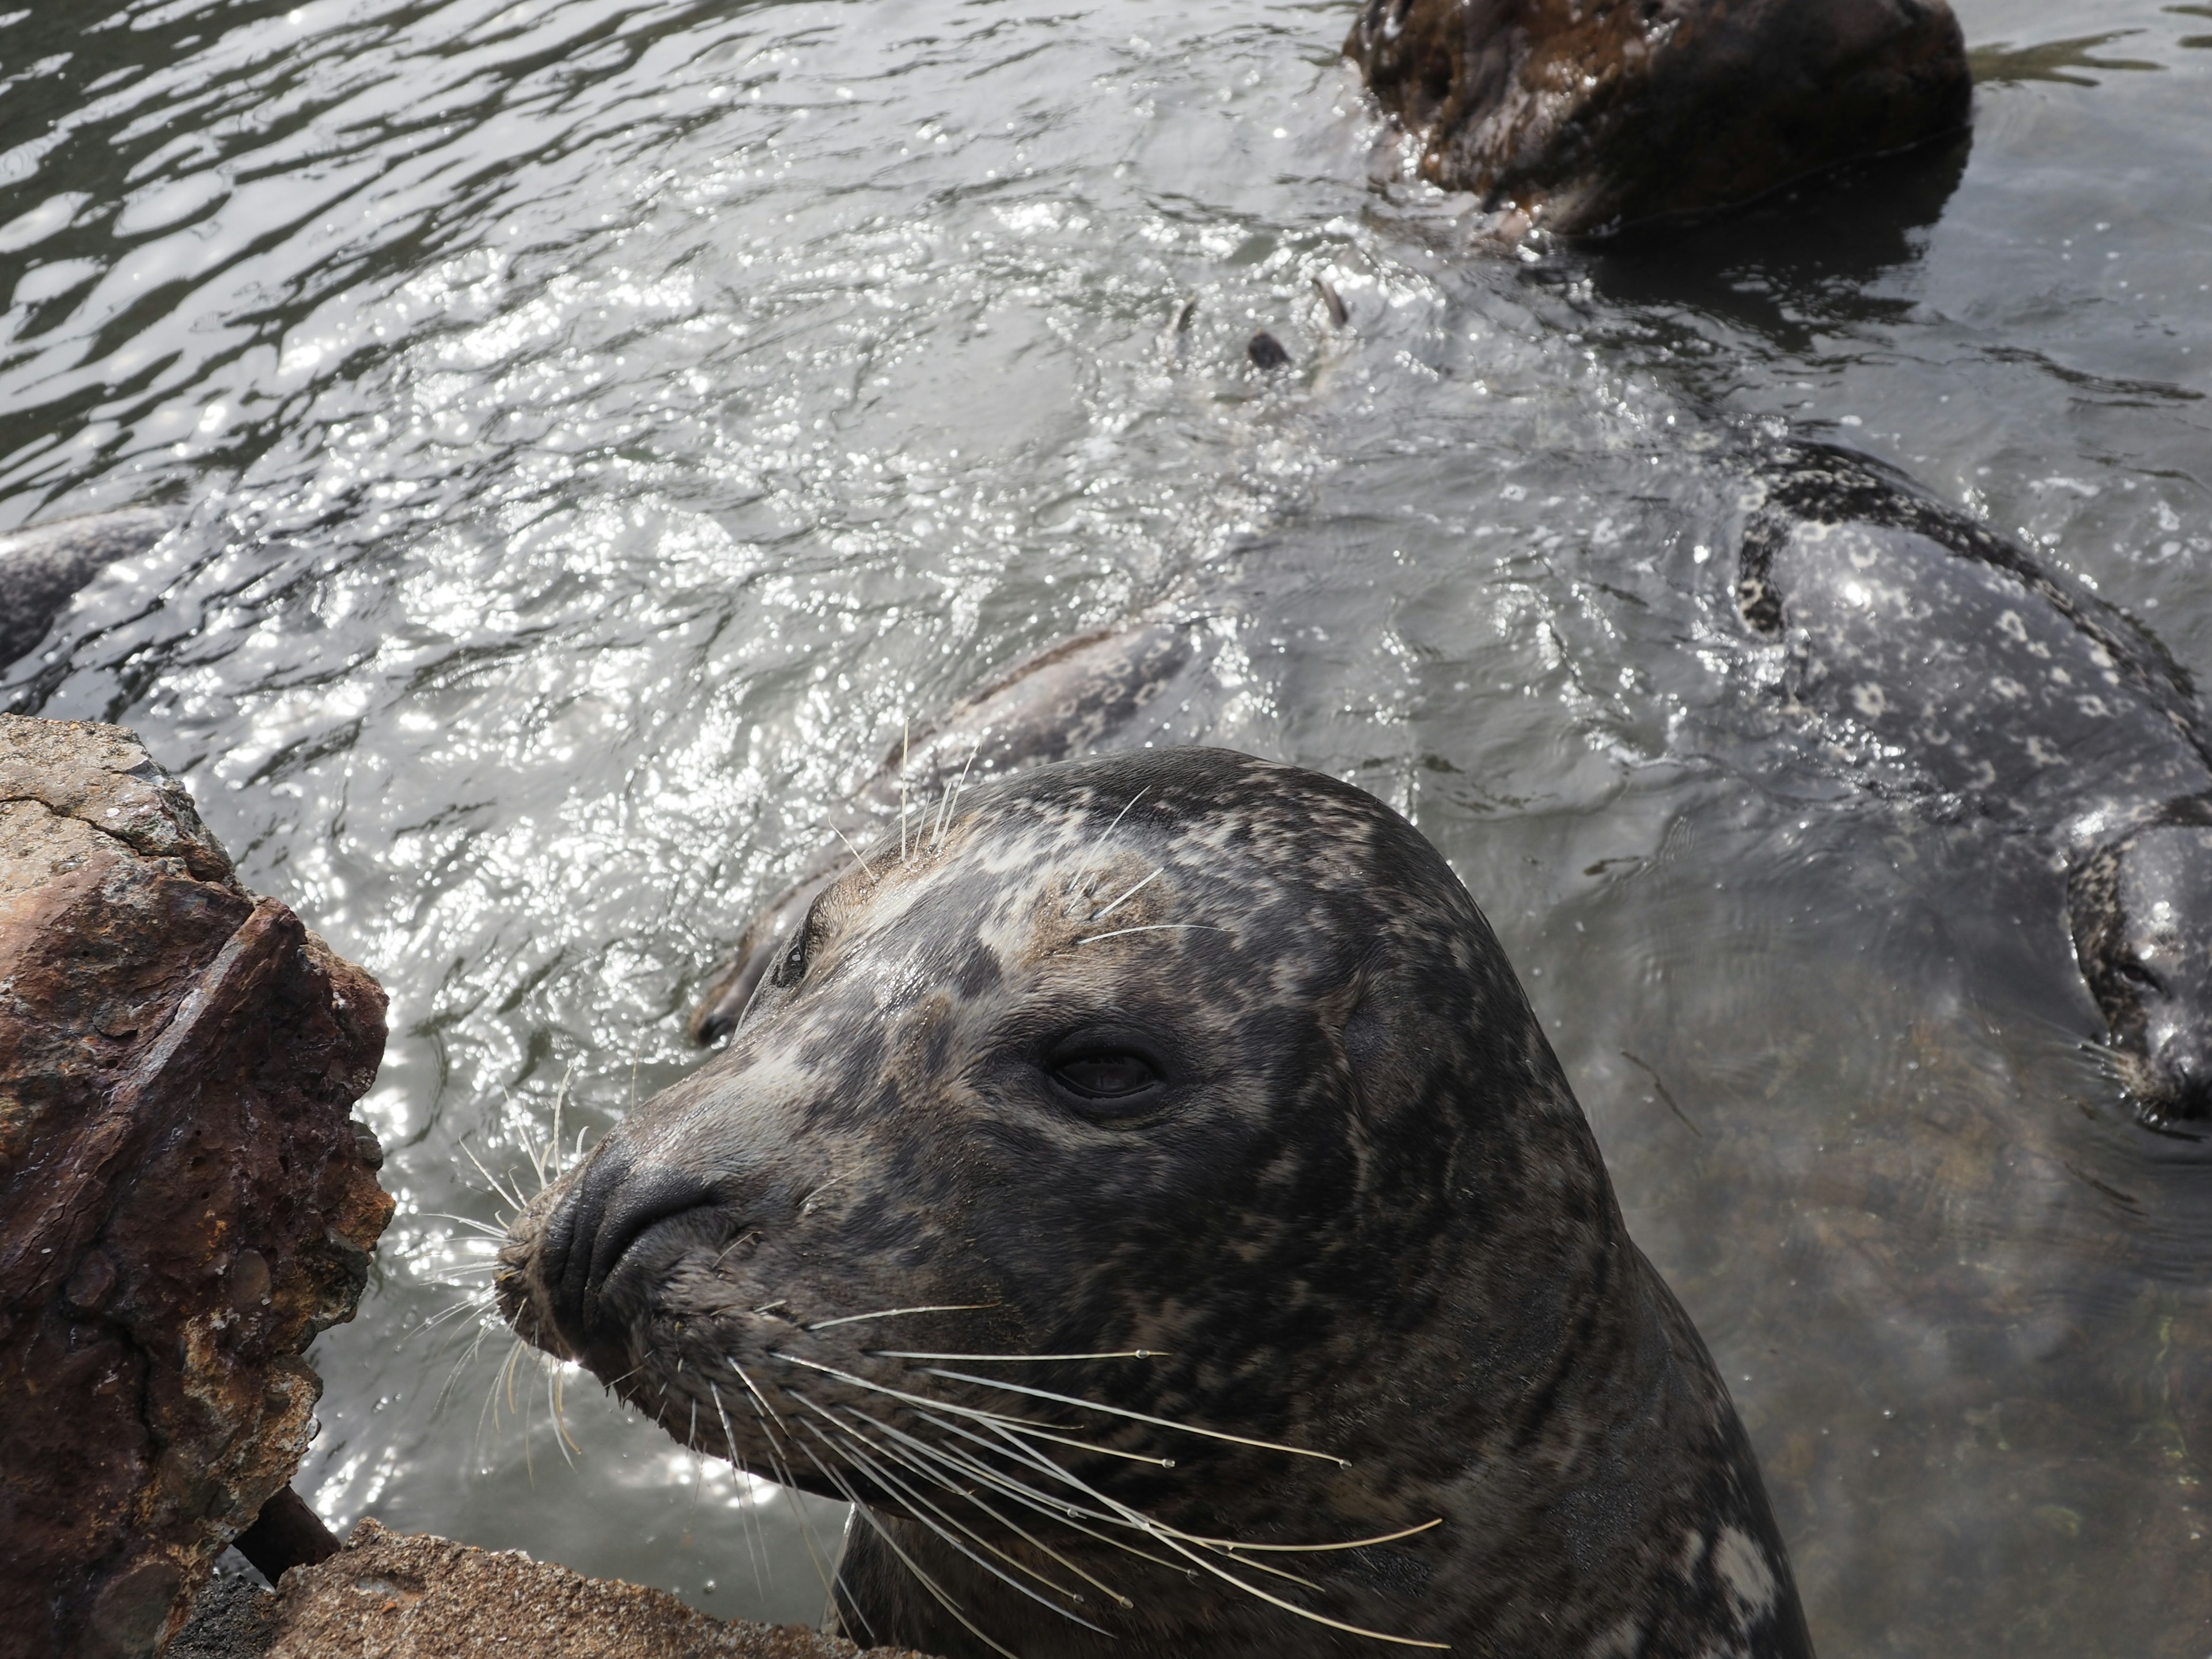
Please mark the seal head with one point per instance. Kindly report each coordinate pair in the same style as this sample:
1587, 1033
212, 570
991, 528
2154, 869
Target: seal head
2141, 911
1156, 1205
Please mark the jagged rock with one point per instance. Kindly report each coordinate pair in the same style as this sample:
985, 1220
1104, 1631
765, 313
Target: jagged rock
185, 1201
1589, 116
398, 1596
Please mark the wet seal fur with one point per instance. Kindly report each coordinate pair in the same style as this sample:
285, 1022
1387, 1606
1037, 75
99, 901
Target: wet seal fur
1076, 695
1155, 1202
1941, 660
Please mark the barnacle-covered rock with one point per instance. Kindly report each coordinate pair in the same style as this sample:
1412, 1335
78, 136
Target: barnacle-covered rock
185, 1199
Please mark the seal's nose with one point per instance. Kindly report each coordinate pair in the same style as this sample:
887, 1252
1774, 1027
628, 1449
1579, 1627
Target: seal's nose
2184, 1075
613, 1203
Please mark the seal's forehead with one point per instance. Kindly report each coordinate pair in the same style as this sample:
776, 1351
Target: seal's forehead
2169, 865
1196, 809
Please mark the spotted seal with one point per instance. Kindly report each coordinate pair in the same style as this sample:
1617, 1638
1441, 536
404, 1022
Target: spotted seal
1154, 1203
1941, 660
1076, 694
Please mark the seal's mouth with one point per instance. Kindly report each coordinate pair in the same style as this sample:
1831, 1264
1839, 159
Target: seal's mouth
2170, 1083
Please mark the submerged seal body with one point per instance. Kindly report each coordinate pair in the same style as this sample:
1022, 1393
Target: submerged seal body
1075, 695
1137, 1196
1941, 661
41, 568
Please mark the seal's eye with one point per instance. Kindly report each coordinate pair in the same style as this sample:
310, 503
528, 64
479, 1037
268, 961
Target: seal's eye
1105, 1074
791, 967
2136, 974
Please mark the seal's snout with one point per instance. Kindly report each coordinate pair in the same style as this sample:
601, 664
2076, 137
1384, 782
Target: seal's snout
604, 1226
2175, 1079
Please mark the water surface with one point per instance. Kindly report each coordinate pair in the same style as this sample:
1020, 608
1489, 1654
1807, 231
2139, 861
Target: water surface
601, 424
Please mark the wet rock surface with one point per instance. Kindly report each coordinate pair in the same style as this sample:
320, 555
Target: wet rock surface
185, 1200
396, 1595
1594, 115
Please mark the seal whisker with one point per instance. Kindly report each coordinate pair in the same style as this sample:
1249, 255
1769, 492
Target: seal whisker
888, 1313
555, 1383
1058, 1510
553, 1148
923, 1449
754, 1542
952, 795
1047, 1431
1316, 1549
467, 1357
1083, 867
769, 1419
854, 851
1139, 1417
910, 1498
1127, 1353
906, 758
1177, 1541
484, 1227
921, 1577
814, 1550
510, 1197
1131, 894
1043, 1431
1155, 928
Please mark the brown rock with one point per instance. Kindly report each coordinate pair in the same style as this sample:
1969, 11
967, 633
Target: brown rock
1589, 116
397, 1595
183, 1200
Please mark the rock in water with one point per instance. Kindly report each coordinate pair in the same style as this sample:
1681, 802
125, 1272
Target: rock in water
395, 1595
1591, 116
41, 568
185, 1200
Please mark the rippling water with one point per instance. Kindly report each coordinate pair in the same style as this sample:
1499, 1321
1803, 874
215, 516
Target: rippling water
601, 424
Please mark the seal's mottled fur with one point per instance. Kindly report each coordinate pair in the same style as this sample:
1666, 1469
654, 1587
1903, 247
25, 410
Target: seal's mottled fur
1946, 663
1347, 1265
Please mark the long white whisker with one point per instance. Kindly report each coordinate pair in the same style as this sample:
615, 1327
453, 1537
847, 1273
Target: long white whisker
484, 1227
1131, 894
510, 1197
923, 1449
1127, 1354
1107, 835
891, 1313
1019, 1424
923, 1578
910, 1498
1181, 1544
755, 1542
854, 851
1316, 1549
1155, 928
1139, 1417
553, 1153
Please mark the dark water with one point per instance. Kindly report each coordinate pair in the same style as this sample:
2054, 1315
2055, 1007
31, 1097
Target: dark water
602, 422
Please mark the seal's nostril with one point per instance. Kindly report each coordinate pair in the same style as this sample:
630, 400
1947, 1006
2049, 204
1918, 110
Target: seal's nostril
611, 1205
654, 1195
